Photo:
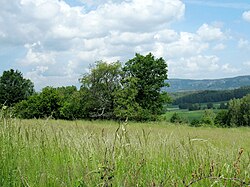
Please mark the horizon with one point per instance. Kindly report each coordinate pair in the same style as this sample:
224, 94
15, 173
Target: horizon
53, 42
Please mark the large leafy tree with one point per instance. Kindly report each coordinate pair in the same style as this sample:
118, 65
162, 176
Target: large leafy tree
102, 82
126, 105
14, 88
77, 105
149, 74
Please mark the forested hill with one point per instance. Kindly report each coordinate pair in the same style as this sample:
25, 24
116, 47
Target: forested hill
178, 85
213, 96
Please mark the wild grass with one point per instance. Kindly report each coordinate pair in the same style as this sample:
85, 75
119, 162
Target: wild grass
105, 153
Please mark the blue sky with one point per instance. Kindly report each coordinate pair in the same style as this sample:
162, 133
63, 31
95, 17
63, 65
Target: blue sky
52, 42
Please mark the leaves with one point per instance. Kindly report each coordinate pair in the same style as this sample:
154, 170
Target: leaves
14, 88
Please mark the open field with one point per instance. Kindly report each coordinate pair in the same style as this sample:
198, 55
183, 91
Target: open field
187, 115
105, 153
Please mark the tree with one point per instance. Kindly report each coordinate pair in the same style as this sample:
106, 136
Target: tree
234, 113
77, 106
149, 75
176, 118
208, 117
126, 105
195, 123
210, 105
14, 88
41, 105
194, 107
102, 82
221, 118
245, 110
49, 102
223, 106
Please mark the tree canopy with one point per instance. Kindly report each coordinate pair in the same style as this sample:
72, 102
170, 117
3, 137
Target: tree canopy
108, 91
14, 88
145, 76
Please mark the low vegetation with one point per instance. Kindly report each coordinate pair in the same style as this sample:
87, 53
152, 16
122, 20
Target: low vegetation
105, 153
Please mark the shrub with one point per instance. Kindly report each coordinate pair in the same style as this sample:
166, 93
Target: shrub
221, 118
195, 123
176, 118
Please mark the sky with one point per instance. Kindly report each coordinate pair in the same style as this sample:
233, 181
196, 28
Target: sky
53, 42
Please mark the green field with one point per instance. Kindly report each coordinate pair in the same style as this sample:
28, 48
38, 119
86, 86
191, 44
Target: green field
186, 115
105, 153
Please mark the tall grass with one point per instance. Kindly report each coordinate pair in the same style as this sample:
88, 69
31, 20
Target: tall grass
84, 153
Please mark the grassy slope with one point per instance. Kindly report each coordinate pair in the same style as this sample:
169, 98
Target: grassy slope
82, 153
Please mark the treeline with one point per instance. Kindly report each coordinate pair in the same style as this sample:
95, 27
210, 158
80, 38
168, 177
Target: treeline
209, 96
237, 115
109, 91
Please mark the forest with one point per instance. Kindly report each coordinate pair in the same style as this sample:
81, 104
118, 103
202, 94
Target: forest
213, 96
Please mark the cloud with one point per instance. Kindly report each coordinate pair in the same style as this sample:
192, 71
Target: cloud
195, 66
247, 63
36, 56
201, 67
227, 68
246, 16
219, 47
60, 45
188, 44
210, 33
244, 44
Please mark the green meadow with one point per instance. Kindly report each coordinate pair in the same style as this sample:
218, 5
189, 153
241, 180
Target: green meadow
185, 114
106, 153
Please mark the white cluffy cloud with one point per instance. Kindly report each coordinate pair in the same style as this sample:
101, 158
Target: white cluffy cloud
210, 33
54, 34
244, 44
246, 16
61, 41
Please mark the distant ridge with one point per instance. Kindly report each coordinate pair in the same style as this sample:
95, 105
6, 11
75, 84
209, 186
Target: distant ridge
183, 85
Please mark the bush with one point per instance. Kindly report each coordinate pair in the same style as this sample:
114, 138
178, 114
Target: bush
221, 118
42, 105
194, 107
195, 123
176, 118
208, 117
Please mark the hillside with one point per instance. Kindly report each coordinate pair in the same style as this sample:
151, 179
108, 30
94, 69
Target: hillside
213, 96
183, 85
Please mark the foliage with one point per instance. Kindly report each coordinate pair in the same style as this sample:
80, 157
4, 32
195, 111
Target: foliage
221, 118
223, 106
126, 106
102, 82
195, 123
42, 105
132, 91
208, 117
77, 106
14, 88
239, 112
148, 75
194, 107
210, 96
210, 106
176, 118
